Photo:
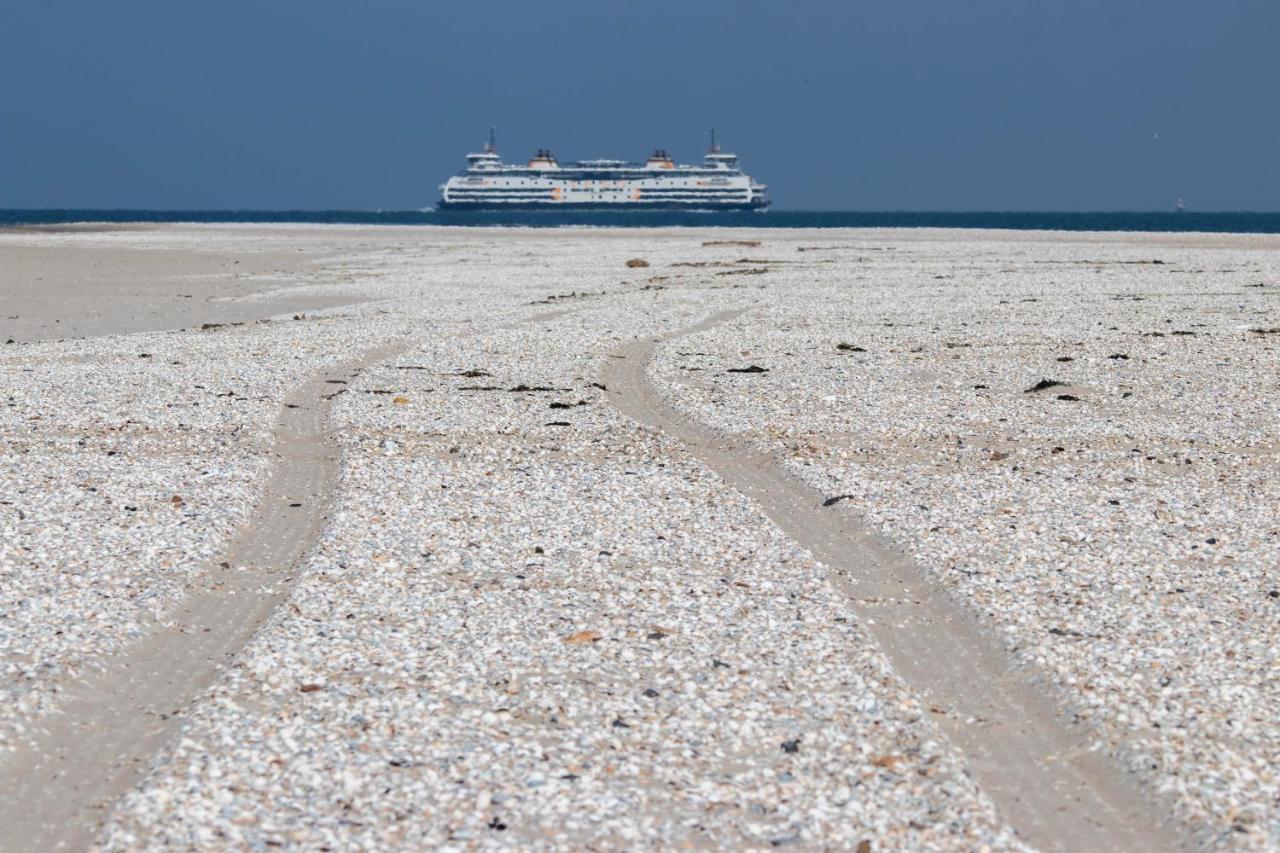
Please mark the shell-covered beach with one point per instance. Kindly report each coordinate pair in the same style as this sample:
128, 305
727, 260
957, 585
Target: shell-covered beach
606, 539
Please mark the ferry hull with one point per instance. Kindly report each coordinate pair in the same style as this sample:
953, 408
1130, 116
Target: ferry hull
618, 207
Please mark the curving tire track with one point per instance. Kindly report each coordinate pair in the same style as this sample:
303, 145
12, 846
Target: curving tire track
1036, 766
60, 787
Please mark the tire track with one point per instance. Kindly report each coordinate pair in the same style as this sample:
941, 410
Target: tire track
1035, 765
61, 786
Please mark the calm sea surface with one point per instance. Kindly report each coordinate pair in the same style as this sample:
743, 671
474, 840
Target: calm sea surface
1253, 223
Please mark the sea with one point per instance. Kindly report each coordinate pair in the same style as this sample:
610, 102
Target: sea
1244, 223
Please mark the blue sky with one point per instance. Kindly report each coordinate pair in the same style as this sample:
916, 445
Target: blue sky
910, 105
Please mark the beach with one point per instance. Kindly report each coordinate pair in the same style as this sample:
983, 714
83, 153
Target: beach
399, 537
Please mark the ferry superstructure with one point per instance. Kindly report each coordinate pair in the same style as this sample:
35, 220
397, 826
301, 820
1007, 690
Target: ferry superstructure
546, 184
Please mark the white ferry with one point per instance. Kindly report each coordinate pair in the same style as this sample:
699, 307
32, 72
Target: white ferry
546, 184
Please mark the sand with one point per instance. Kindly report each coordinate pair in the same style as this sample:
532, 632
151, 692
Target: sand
74, 282
525, 613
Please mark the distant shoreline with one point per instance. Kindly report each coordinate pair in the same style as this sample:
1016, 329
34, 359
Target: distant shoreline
1169, 221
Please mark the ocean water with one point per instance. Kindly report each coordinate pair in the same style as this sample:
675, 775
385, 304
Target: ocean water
1248, 223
